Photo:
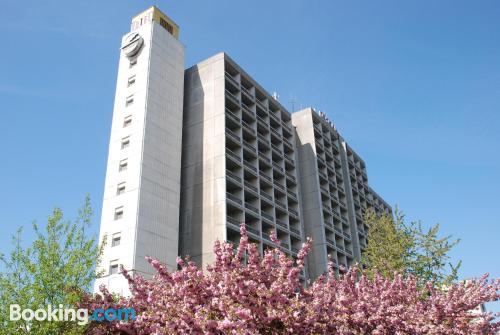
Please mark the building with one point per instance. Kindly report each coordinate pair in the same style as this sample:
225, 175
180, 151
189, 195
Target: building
193, 153
140, 212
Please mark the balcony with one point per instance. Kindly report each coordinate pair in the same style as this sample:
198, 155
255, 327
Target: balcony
286, 126
252, 188
317, 127
248, 111
288, 143
274, 117
293, 212
231, 134
232, 116
267, 216
251, 168
232, 98
249, 128
233, 176
276, 133
338, 230
347, 236
278, 186
233, 221
234, 198
262, 122
282, 223
292, 195
232, 80
276, 148
265, 159
250, 147
266, 178
330, 242
261, 104
278, 167
233, 156
280, 205
322, 175
295, 231
290, 177
247, 92
252, 209
339, 175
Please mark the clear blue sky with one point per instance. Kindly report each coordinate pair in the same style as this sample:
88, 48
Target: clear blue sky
413, 87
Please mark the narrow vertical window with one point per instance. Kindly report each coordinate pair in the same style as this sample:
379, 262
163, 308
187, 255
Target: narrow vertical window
123, 165
129, 100
125, 142
118, 213
120, 189
133, 63
116, 239
127, 121
131, 81
114, 267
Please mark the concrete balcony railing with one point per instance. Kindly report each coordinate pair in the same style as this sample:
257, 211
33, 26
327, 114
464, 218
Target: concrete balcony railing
282, 223
252, 208
234, 198
233, 176
234, 99
267, 216
233, 155
249, 128
295, 231
231, 134
231, 79
232, 116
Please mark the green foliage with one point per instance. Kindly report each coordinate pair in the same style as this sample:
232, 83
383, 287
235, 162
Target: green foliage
57, 268
397, 246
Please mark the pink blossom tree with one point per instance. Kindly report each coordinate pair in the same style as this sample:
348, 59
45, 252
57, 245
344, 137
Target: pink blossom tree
245, 293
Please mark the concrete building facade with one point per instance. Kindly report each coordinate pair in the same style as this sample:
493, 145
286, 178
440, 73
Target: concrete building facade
193, 153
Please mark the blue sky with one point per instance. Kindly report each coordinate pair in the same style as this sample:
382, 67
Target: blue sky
413, 87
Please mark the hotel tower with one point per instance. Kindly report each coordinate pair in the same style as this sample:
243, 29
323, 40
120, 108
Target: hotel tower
194, 152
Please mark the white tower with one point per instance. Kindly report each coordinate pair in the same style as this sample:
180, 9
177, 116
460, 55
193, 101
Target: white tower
140, 212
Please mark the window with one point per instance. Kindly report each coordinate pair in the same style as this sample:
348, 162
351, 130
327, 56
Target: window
120, 189
133, 63
123, 165
131, 81
118, 213
125, 142
113, 267
130, 99
127, 121
116, 239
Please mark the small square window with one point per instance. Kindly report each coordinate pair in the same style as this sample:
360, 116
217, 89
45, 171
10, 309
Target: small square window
133, 63
123, 165
129, 100
119, 213
120, 189
127, 121
125, 142
114, 267
131, 81
116, 240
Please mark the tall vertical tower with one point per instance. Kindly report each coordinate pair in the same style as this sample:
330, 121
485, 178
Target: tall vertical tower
140, 213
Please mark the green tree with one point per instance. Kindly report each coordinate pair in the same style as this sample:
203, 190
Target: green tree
397, 246
57, 268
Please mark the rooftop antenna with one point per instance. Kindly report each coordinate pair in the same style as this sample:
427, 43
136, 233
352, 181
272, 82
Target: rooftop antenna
276, 96
293, 101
